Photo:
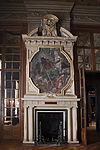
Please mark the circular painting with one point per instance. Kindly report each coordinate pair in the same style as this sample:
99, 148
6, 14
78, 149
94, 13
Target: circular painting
49, 70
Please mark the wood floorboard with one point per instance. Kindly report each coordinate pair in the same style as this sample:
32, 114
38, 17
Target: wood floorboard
93, 138
17, 145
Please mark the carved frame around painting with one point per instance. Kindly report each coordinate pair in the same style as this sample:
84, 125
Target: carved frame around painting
51, 66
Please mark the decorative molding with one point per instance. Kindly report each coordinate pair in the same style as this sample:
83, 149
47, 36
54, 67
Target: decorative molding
68, 101
28, 40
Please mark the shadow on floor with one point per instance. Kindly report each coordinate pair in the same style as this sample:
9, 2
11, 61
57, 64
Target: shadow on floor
92, 135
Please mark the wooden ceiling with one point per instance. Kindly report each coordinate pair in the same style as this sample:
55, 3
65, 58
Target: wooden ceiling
77, 2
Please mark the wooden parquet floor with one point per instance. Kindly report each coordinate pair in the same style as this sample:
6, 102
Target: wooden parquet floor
16, 145
93, 138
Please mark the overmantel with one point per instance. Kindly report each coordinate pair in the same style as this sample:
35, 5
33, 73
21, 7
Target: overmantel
61, 54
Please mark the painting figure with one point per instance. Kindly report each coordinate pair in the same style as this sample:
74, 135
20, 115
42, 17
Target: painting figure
59, 84
50, 70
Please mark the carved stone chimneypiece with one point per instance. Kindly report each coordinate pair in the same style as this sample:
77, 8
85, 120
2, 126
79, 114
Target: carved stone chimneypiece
49, 79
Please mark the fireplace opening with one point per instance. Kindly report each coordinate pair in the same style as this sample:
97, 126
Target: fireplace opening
50, 127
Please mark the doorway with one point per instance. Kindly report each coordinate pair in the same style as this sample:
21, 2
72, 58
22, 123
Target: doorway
92, 107
93, 135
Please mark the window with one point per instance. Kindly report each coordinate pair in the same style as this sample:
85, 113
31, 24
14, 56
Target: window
10, 71
97, 50
88, 50
11, 98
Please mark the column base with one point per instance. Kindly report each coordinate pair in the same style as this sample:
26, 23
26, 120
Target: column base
28, 142
73, 142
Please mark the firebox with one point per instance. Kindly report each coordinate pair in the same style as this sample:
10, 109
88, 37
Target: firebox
51, 126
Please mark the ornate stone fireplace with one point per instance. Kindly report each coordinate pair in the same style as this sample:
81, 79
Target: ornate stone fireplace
50, 101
